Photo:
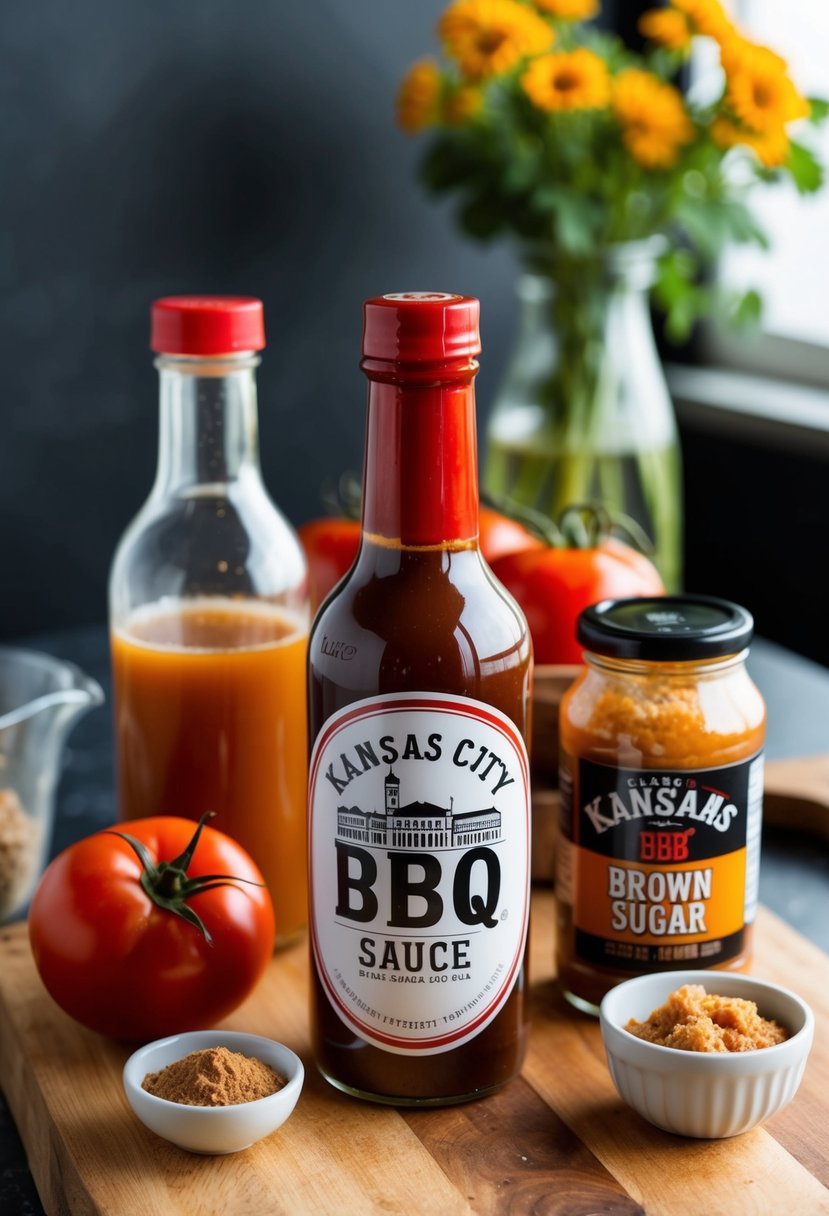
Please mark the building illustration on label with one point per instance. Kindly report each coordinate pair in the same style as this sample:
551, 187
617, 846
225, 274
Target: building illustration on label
418, 825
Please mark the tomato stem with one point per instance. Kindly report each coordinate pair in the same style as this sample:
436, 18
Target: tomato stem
582, 525
183, 860
167, 883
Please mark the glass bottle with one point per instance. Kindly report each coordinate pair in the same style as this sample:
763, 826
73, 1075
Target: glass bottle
209, 614
661, 775
419, 690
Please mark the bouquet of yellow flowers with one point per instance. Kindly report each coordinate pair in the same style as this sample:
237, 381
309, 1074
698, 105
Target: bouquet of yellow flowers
550, 130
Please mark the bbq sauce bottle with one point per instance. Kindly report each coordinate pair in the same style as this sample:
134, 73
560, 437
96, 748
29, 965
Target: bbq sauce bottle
419, 694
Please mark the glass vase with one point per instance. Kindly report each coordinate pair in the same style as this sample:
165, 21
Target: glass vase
583, 414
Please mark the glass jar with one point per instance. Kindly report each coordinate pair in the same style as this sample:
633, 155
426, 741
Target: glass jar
661, 773
209, 612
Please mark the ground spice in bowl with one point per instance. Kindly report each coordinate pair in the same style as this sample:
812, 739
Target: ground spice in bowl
214, 1077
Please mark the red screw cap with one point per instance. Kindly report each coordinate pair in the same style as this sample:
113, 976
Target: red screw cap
421, 327
206, 325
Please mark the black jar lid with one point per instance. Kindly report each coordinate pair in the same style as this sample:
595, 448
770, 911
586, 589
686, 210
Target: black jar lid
668, 628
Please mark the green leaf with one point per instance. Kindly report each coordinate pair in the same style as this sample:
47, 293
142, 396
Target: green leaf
747, 310
521, 174
666, 63
680, 319
704, 227
573, 228
806, 173
482, 216
818, 109
713, 223
742, 224
451, 162
571, 216
675, 274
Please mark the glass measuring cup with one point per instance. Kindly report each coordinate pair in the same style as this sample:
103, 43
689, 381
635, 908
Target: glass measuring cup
40, 700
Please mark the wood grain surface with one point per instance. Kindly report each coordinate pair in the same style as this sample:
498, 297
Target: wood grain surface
556, 1141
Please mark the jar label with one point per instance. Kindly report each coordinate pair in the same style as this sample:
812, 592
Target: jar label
660, 868
419, 837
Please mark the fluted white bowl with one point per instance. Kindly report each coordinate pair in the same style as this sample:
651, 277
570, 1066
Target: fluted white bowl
704, 1094
213, 1129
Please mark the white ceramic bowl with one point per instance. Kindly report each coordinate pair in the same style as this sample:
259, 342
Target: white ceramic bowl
704, 1094
213, 1129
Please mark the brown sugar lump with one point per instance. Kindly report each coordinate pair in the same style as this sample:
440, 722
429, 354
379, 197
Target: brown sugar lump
693, 1020
213, 1077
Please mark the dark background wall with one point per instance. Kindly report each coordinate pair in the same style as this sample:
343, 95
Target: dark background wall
755, 524
236, 146
197, 145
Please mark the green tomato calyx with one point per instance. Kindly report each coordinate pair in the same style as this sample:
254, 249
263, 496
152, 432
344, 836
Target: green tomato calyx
168, 885
582, 525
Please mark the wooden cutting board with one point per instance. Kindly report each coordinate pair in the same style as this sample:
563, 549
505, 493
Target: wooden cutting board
558, 1140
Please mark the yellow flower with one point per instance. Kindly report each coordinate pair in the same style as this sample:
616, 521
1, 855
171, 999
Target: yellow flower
667, 27
760, 92
572, 80
462, 104
418, 98
707, 17
654, 121
770, 147
570, 10
488, 37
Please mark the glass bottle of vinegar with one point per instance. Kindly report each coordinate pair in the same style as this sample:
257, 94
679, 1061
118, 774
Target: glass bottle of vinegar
209, 612
419, 688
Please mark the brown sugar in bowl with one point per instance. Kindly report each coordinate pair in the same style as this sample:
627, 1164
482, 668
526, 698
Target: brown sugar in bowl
694, 1019
708, 1095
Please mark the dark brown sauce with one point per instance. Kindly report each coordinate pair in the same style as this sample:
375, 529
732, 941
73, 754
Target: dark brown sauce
430, 620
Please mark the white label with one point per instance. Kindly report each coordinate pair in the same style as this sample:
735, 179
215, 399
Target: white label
419, 853
754, 830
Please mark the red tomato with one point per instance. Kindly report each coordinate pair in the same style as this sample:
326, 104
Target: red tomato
330, 546
554, 585
501, 535
127, 966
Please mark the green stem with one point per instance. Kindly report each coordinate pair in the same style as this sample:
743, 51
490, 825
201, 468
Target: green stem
167, 883
569, 457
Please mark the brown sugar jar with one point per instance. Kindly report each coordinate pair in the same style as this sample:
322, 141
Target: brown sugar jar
419, 697
661, 774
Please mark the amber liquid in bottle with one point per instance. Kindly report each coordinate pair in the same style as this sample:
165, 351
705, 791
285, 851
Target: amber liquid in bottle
420, 612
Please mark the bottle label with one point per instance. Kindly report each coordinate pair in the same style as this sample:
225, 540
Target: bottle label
659, 868
419, 859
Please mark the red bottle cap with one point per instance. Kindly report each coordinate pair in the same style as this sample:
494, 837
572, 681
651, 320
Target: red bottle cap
206, 325
421, 327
